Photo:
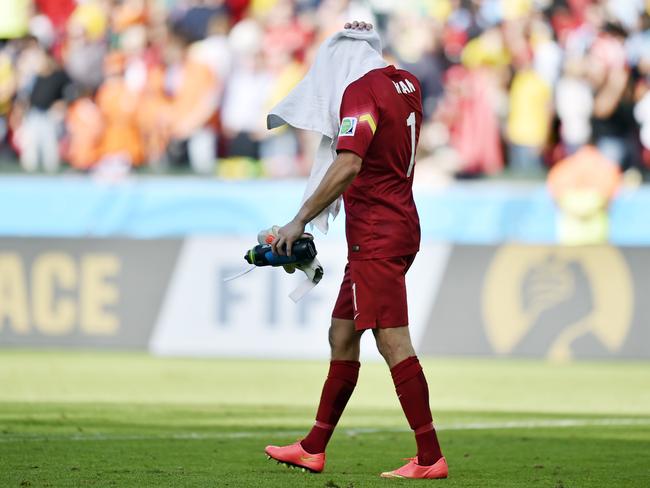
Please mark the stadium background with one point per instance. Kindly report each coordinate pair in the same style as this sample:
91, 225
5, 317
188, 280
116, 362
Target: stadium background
135, 171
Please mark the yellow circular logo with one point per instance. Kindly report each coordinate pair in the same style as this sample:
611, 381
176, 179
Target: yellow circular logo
544, 299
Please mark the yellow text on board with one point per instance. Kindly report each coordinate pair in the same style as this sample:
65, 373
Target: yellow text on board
63, 293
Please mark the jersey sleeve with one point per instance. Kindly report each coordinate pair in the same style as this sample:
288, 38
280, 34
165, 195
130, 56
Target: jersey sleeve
359, 117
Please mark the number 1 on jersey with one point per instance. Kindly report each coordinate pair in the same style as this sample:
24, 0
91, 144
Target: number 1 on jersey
410, 122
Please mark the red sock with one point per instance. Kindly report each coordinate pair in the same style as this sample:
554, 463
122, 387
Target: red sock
413, 393
337, 390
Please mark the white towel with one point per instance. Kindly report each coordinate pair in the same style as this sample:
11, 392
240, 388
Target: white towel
315, 102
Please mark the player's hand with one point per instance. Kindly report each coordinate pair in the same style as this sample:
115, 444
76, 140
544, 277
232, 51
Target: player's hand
287, 235
360, 26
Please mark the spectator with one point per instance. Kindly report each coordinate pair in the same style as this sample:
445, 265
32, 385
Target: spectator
613, 123
85, 47
117, 101
41, 125
284, 46
85, 129
195, 92
279, 149
469, 111
214, 50
574, 104
529, 119
247, 93
547, 54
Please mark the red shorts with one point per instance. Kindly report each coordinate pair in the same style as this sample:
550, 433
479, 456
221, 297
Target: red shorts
373, 293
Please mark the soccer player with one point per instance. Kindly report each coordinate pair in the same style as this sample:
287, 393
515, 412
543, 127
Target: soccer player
380, 117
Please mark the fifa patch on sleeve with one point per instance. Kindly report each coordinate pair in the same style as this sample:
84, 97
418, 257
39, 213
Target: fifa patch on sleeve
348, 126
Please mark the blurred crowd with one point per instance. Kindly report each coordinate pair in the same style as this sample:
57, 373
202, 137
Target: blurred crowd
514, 85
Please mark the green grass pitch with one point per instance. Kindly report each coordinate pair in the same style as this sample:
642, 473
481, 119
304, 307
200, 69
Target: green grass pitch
106, 419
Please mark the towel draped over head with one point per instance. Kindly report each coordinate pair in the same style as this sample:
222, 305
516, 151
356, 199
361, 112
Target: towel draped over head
315, 102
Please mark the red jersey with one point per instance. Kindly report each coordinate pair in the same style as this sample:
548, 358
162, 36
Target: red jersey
381, 113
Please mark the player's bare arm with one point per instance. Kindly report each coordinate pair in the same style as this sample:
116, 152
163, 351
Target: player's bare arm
344, 169
346, 166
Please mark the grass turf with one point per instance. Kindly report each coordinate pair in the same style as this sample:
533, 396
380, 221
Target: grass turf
106, 419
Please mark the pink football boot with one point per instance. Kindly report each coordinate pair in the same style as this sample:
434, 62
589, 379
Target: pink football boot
295, 456
413, 470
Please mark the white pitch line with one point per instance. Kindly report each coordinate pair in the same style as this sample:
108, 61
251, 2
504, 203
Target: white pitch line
537, 424
515, 424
